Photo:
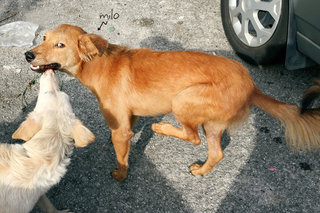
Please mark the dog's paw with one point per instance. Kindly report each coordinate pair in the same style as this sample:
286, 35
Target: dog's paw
159, 128
195, 169
156, 127
119, 175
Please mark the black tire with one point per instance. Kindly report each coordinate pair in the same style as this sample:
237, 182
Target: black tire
271, 52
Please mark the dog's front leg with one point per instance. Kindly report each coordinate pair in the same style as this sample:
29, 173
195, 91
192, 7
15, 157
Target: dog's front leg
120, 121
120, 139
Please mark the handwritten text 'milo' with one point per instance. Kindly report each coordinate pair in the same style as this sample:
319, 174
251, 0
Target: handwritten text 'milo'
111, 16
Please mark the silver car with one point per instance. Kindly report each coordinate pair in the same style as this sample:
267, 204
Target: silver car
274, 31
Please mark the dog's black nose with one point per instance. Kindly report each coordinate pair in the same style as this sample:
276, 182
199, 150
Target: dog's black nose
29, 56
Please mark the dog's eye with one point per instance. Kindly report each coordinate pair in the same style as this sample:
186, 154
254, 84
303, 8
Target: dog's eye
60, 45
44, 38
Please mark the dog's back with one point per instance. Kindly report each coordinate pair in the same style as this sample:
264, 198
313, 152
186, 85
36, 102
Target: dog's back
26, 172
9, 201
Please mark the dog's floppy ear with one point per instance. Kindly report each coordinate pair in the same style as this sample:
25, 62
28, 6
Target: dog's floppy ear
91, 45
82, 135
27, 129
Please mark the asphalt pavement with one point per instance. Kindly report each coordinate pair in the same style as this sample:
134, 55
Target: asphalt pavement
258, 174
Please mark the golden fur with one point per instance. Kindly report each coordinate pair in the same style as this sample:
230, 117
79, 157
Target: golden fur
199, 89
28, 170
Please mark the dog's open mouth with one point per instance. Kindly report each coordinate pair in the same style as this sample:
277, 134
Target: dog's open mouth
42, 68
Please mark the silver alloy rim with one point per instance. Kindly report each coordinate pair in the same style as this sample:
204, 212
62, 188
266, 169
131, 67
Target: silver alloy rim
254, 21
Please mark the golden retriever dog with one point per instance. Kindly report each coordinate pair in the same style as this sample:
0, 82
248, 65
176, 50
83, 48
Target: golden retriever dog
310, 95
199, 89
29, 170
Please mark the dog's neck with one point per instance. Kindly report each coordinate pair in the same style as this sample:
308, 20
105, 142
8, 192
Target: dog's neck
103, 68
82, 70
49, 141
88, 73
54, 138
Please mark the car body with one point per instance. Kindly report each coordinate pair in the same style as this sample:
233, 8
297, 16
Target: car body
307, 19
273, 31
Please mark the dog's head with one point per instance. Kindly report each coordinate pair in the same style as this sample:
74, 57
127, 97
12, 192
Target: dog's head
53, 111
64, 49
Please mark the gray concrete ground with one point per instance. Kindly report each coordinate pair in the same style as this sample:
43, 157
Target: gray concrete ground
158, 179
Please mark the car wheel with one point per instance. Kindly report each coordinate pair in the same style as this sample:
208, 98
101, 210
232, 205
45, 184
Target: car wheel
256, 29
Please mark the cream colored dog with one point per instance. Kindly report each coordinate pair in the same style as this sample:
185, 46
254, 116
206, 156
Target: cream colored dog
29, 170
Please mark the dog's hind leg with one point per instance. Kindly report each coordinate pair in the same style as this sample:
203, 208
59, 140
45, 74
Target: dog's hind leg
213, 133
187, 133
191, 107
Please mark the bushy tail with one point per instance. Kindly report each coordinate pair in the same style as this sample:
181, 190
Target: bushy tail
302, 130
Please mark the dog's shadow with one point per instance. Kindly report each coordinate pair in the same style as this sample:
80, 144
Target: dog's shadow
161, 43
